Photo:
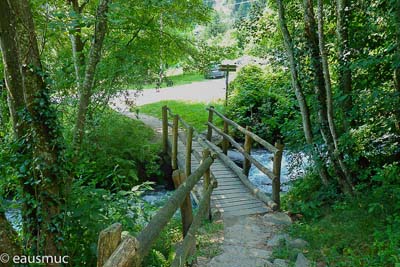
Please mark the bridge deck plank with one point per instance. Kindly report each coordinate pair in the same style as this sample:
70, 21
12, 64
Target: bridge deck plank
231, 197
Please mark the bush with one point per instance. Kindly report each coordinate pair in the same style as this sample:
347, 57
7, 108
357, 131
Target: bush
258, 99
363, 230
118, 152
89, 210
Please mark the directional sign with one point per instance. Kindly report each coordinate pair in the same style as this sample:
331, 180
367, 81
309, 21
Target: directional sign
227, 67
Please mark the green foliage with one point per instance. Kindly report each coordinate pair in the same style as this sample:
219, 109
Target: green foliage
118, 152
309, 197
162, 253
90, 210
258, 99
194, 113
355, 231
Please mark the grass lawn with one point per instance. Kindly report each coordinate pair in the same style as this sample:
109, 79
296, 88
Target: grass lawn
180, 79
194, 113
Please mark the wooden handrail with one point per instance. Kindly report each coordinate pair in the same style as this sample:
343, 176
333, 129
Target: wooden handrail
238, 171
184, 250
277, 150
255, 137
256, 163
131, 251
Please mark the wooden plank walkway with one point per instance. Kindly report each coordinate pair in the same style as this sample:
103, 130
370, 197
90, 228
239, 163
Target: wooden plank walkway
231, 197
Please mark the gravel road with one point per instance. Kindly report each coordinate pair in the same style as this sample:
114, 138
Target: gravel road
206, 91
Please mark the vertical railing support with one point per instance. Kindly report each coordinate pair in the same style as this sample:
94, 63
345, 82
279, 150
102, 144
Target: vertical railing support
165, 129
247, 148
189, 140
210, 120
174, 154
178, 177
206, 180
225, 142
109, 240
276, 183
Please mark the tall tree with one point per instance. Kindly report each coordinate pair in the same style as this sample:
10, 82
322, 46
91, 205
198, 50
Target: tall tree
86, 89
304, 109
344, 53
313, 42
328, 88
22, 62
76, 39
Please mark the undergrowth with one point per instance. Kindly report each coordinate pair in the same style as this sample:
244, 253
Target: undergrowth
362, 230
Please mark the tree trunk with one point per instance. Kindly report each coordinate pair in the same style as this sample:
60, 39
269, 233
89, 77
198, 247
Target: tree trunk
320, 90
15, 98
9, 239
328, 89
94, 58
76, 41
345, 76
47, 163
304, 109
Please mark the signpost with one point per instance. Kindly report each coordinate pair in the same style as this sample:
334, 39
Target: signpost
227, 68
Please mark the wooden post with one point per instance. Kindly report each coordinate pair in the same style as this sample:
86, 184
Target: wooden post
129, 253
165, 129
210, 120
109, 240
189, 140
226, 87
225, 142
178, 178
276, 183
206, 181
174, 154
247, 148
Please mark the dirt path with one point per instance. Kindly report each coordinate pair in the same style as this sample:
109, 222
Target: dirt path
206, 91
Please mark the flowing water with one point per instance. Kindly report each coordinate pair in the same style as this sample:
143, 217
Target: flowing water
160, 194
288, 171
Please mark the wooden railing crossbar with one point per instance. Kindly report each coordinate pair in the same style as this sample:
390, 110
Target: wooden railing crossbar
277, 150
255, 137
131, 250
117, 250
256, 163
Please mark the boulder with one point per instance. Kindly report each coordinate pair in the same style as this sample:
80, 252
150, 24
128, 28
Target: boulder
298, 243
302, 261
278, 218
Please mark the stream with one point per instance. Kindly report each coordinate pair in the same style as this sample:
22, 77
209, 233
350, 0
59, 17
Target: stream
160, 194
259, 179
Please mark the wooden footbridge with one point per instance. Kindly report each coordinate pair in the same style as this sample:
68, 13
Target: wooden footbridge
203, 171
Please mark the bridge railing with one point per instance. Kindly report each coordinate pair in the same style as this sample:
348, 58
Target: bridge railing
276, 150
118, 250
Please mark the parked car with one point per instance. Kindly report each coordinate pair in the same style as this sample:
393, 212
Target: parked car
213, 72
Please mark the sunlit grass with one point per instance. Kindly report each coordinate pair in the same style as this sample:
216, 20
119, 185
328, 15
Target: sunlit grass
194, 113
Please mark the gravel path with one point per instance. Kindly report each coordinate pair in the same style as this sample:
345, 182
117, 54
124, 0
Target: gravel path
250, 240
206, 91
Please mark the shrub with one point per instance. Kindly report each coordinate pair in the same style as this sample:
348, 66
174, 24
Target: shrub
118, 152
89, 210
362, 230
258, 99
